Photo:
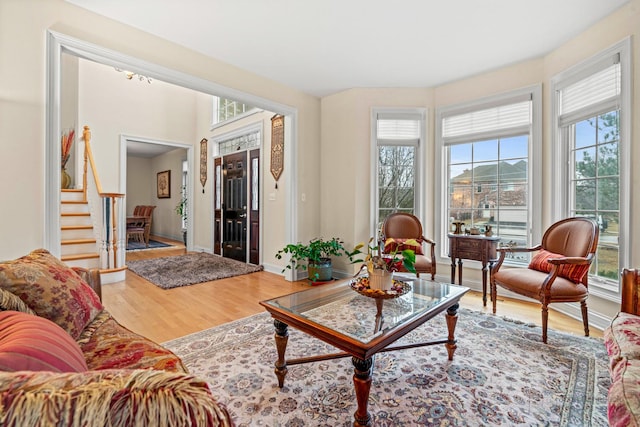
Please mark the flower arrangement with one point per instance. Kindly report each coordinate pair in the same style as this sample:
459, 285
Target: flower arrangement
376, 260
66, 144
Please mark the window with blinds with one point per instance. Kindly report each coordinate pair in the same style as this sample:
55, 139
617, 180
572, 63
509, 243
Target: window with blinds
398, 136
487, 148
589, 103
514, 117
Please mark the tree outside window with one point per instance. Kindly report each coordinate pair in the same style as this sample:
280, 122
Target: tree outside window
596, 184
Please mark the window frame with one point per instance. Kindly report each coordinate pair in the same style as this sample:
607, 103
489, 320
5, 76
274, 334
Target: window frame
215, 102
419, 178
534, 211
561, 150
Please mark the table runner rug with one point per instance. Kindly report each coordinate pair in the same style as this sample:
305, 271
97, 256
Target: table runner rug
189, 269
502, 374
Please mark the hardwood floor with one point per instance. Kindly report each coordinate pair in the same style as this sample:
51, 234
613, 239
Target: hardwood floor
162, 315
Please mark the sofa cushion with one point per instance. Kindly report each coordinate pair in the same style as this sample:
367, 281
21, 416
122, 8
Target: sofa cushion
51, 289
573, 272
623, 399
9, 301
106, 344
32, 343
392, 245
113, 398
622, 338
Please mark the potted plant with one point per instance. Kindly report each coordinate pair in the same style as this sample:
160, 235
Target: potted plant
181, 210
314, 256
380, 266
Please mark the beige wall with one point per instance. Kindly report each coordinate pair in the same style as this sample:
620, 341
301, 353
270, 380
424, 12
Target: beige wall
140, 183
166, 222
114, 106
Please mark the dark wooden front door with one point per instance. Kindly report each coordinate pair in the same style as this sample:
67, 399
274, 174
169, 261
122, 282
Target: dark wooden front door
234, 207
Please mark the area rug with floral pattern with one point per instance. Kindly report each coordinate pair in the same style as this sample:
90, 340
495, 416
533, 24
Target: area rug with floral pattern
501, 375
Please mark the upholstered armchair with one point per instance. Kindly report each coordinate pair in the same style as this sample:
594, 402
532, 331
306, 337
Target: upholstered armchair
400, 227
559, 270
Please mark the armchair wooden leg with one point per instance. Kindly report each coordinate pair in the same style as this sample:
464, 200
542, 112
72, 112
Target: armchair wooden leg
585, 317
545, 321
494, 294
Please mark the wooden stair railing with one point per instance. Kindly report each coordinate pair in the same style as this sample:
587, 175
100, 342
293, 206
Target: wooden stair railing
110, 219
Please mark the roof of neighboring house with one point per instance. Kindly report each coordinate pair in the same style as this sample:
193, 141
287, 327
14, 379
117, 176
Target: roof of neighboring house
487, 173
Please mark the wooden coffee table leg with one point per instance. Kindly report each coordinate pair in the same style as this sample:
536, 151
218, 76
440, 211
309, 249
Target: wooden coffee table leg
282, 337
452, 319
362, 383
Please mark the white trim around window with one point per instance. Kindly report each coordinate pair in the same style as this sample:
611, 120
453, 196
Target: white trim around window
420, 179
484, 105
619, 52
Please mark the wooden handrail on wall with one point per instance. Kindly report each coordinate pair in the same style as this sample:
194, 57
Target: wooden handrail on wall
108, 199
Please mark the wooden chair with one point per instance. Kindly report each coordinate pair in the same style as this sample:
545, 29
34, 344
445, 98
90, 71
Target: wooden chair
557, 273
139, 225
148, 214
399, 227
135, 229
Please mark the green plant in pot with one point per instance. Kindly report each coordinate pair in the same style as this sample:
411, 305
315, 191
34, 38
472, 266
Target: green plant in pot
314, 256
181, 210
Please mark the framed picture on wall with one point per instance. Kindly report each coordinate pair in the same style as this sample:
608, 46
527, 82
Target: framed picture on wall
164, 185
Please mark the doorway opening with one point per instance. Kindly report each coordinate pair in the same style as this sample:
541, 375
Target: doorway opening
141, 158
58, 43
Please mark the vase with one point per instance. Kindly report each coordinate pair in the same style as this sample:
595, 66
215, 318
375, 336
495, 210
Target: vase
380, 279
65, 179
320, 271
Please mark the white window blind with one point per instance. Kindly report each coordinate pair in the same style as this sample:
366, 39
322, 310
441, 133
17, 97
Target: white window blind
601, 89
398, 127
514, 117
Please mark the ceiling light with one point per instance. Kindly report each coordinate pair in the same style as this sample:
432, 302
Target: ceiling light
130, 75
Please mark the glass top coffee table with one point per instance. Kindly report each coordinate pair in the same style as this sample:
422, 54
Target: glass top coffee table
362, 325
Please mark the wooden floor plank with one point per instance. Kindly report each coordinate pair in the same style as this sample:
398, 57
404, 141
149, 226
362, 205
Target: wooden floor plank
162, 315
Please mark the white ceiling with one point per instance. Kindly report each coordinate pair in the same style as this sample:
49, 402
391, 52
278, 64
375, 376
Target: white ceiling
147, 150
325, 46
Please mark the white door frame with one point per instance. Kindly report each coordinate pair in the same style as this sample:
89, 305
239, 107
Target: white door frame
57, 43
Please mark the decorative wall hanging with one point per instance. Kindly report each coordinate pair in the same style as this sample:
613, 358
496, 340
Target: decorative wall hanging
164, 185
277, 146
203, 162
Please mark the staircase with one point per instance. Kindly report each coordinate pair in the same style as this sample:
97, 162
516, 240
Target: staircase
78, 243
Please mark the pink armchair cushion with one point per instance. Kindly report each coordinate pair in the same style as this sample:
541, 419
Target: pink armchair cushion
32, 343
573, 272
398, 245
52, 290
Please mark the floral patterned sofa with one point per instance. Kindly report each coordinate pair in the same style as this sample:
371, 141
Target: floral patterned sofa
622, 339
64, 360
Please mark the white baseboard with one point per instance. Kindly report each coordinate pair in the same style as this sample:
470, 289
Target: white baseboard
112, 277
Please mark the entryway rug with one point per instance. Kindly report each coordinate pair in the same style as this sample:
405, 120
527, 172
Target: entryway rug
153, 244
501, 375
189, 269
